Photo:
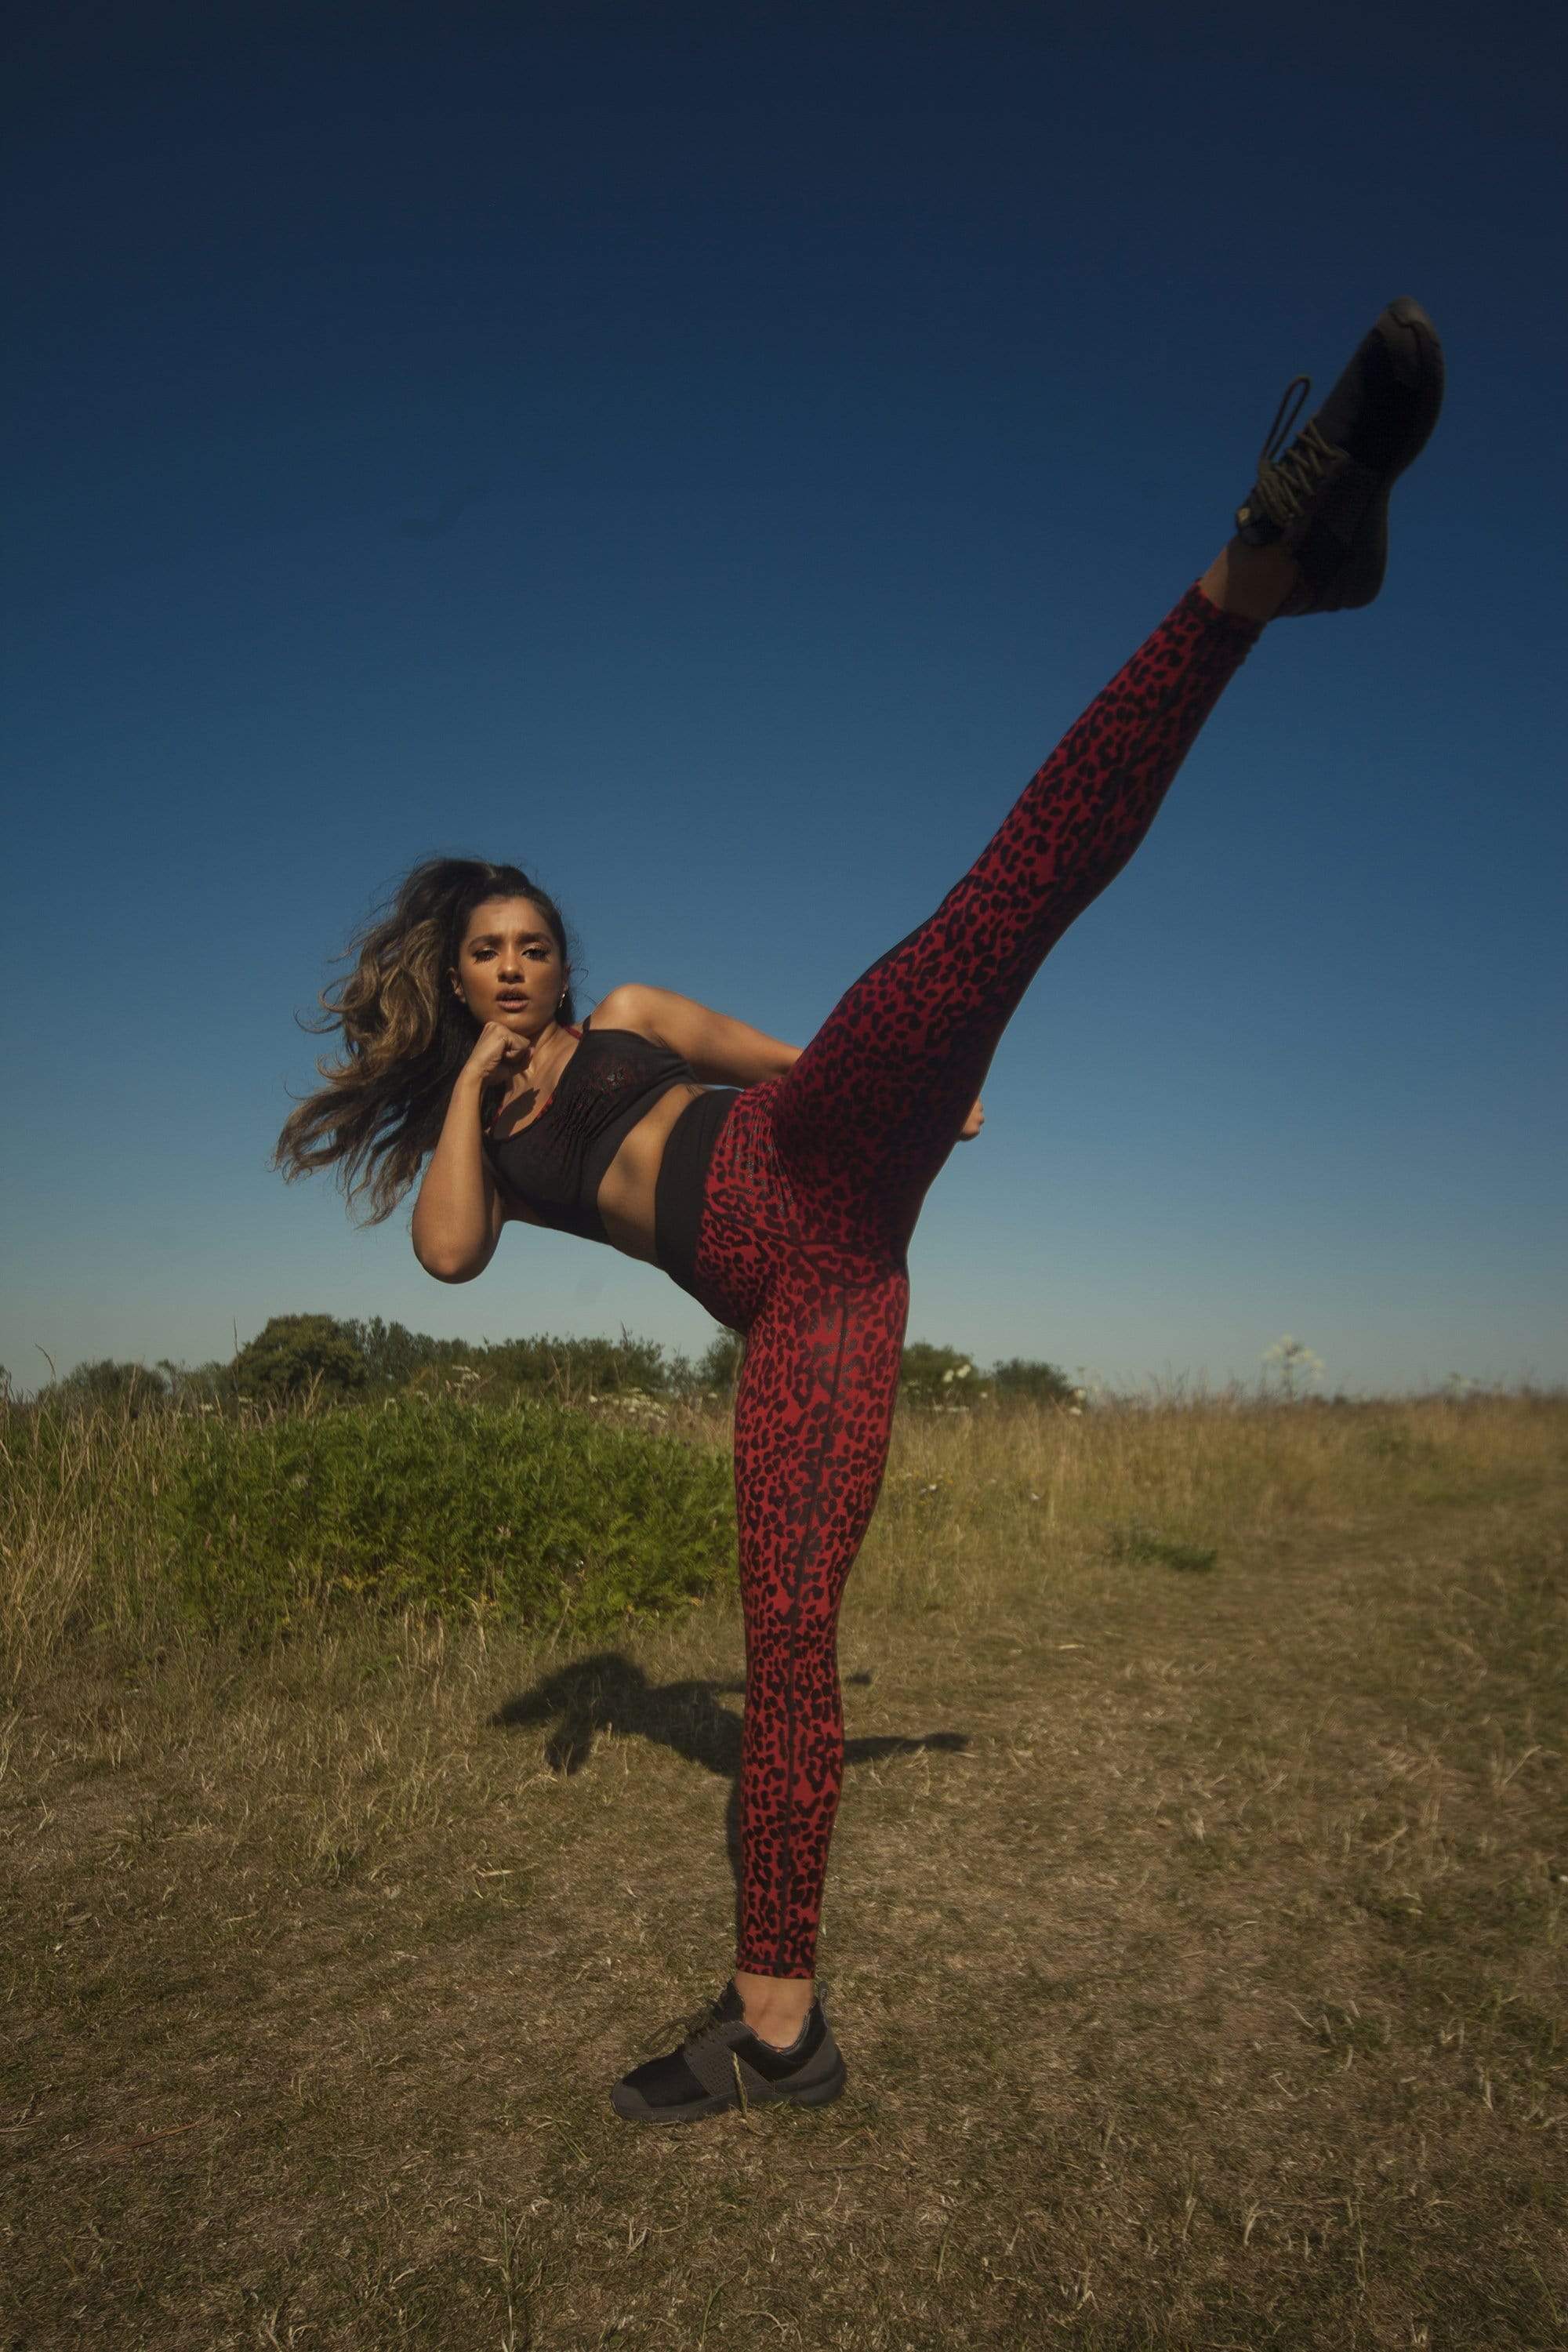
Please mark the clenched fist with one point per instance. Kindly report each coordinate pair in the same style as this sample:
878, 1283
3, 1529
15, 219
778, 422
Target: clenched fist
498, 1051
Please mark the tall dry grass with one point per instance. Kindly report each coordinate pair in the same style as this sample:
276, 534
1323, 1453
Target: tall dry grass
970, 1495
972, 1501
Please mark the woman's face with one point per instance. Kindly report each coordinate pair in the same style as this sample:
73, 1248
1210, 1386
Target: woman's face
510, 968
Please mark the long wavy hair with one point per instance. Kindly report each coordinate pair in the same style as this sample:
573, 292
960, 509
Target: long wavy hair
406, 1033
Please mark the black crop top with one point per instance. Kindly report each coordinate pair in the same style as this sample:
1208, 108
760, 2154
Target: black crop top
556, 1163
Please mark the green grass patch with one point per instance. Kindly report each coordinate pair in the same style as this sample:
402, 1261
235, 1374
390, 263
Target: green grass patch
526, 1510
1138, 1544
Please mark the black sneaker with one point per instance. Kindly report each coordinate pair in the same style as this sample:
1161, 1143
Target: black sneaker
722, 2064
1325, 501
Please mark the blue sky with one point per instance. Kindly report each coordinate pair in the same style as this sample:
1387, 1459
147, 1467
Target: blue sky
708, 456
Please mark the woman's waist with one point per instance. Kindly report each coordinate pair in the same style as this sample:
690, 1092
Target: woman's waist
680, 1189
625, 1186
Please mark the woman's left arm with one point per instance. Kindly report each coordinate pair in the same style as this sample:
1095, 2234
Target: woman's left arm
721, 1051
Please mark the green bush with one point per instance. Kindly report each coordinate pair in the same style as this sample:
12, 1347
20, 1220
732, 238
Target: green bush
1021, 1376
110, 1386
523, 1508
295, 1355
569, 1370
929, 1375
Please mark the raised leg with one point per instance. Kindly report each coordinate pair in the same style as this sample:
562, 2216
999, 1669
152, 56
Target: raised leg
870, 1111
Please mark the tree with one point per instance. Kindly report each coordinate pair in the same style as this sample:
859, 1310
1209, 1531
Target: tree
207, 1384
718, 1366
119, 1387
392, 1354
293, 1353
1020, 1376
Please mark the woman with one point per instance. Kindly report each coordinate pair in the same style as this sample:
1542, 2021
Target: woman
781, 1187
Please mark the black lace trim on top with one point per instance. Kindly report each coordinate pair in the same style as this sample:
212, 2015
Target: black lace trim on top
556, 1163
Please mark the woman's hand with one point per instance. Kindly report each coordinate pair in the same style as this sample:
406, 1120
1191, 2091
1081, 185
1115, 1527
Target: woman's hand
498, 1051
973, 1124
460, 1211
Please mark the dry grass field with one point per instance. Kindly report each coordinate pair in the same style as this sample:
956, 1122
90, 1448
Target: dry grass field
1194, 1931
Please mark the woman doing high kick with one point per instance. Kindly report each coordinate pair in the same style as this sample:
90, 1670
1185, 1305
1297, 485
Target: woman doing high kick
779, 1186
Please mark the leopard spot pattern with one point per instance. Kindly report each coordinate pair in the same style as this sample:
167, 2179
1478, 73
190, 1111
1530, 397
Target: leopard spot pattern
811, 1197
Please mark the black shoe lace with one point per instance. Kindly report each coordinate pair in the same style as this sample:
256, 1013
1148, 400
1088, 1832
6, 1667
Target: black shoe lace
1285, 484
686, 2029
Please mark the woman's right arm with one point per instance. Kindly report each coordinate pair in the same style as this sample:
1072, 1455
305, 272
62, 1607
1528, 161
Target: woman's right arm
459, 1213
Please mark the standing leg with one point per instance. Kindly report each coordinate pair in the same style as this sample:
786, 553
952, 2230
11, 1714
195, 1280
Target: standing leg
874, 1105
814, 1414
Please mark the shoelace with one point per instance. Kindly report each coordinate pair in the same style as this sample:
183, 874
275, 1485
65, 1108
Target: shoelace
1285, 484
686, 2029
695, 2023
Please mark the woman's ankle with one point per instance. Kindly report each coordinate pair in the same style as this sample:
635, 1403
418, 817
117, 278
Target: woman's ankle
771, 2011
1251, 582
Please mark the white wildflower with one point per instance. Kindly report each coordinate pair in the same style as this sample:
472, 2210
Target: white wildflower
1297, 1363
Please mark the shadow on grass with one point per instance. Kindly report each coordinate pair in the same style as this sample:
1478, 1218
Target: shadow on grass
607, 1692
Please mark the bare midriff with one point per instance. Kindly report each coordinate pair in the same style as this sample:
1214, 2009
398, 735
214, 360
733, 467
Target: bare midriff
626, 1189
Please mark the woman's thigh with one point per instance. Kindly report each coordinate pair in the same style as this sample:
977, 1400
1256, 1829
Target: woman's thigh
814, 1229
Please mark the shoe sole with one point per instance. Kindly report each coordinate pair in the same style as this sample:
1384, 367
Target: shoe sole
1358, 502
1418, 356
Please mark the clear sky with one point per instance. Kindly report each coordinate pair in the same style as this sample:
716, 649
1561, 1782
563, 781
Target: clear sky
708, 456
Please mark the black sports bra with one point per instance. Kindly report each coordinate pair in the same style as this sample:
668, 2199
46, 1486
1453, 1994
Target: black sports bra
556, 1163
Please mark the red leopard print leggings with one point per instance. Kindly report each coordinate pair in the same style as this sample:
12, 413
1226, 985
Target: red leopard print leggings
812, 1195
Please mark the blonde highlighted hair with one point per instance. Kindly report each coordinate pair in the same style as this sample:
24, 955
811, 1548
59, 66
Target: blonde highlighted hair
406, 1033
